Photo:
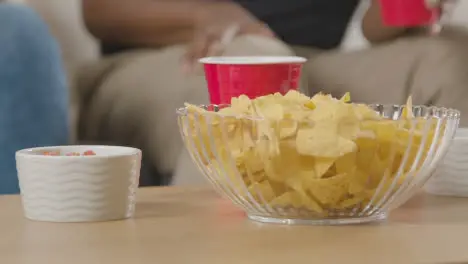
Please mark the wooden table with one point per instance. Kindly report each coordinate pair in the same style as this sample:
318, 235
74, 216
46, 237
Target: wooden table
175, 225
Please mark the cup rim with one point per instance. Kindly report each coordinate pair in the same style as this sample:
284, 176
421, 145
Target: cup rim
451, 114
252, 60
120, 151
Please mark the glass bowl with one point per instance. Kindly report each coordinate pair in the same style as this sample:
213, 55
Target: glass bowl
261, 167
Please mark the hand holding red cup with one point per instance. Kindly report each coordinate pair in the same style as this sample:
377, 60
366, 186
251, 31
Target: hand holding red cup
409, 13
412, 13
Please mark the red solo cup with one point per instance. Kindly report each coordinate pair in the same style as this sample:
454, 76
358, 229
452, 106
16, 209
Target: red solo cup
408, 13
229, 77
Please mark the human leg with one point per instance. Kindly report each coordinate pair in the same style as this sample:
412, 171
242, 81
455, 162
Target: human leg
33, 93
135, 103
434, 70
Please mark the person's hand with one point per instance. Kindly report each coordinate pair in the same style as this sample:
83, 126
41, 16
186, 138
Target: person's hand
445, 8
438, 3
217, 24
443, 5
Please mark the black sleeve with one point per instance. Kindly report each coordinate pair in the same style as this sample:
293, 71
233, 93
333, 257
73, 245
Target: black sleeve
316, 23
267, 9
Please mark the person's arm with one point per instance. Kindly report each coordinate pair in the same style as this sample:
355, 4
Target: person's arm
373, 28
141, 22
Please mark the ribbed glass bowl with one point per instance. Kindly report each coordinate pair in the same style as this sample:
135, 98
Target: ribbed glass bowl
381, 174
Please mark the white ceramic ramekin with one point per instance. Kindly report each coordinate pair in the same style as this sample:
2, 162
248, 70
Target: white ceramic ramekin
451, 176
79, 188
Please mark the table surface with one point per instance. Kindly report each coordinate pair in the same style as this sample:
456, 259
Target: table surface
184, 225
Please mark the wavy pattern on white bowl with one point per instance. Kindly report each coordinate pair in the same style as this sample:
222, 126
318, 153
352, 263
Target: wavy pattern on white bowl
77, 190
451, 176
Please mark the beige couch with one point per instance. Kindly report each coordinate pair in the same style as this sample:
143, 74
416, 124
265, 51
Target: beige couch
64, 18
78, 47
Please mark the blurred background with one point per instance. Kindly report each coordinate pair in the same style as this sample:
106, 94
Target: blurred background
81, 59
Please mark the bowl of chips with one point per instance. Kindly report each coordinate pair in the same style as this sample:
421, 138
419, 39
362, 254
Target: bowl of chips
293, 159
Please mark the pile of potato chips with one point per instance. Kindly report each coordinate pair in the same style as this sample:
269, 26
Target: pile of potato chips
318, 154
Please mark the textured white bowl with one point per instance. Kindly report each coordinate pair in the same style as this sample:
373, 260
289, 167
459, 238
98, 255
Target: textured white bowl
79, 188
451, 176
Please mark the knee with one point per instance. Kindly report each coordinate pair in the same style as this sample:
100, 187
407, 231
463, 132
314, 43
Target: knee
440, 69
23, 31
440, 72
445, 59
17, 20
28, 51
251, 45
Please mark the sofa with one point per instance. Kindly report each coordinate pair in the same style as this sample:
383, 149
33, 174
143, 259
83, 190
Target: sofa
79, 47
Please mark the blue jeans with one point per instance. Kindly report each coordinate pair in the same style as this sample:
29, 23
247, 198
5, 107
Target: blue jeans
33, 90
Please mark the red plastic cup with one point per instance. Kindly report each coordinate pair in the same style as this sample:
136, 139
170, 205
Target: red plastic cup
407, 13
229, 77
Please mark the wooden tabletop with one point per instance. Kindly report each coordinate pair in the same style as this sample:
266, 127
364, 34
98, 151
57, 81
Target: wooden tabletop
175, 225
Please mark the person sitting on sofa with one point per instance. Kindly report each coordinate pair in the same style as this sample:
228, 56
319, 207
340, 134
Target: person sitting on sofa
131, 95
33, 89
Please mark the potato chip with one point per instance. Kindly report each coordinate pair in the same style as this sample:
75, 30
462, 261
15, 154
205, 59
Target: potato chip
252, 161
306, 199
351, 202
295, 97
322, 141
365, 113
358, 182
262, 191
287, 128
346, 98
380, 194
272, 113
318, 154
408, 109
286, 164
346, 163
329, 190
241, 104
288, 199
322, 165
310, 105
